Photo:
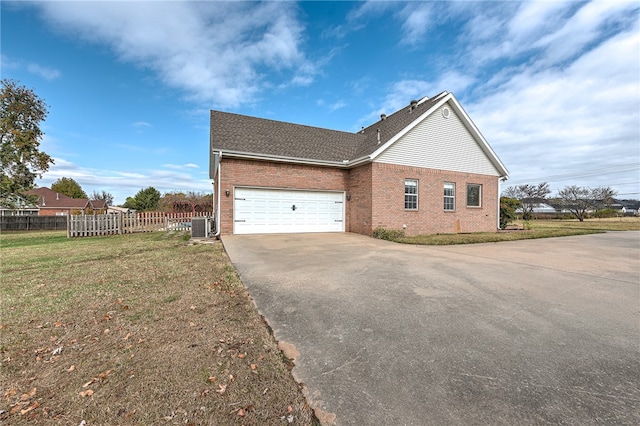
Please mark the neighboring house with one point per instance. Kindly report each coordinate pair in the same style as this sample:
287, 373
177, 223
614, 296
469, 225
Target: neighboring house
52, 203
18, 206
626, 207
116, 210
540, 208
425, 168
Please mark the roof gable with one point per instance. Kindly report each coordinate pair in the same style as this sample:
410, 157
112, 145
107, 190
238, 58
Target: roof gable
441, 139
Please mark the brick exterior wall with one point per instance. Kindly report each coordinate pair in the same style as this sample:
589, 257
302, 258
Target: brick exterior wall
55, 212
359, 207
431, 218
377, 195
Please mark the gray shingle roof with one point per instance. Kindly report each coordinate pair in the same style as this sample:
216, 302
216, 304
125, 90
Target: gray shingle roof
250, 135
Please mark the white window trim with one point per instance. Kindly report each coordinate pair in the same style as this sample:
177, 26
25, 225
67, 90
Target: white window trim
452, 197
416, 195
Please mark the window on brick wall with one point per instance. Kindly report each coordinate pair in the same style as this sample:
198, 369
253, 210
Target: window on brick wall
449, 196
474, 195
410, 194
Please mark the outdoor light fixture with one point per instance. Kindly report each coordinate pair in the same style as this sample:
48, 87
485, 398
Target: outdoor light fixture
227, 192
348, 197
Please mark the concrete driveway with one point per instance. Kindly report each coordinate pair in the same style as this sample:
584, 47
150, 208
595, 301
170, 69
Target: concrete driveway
524, 332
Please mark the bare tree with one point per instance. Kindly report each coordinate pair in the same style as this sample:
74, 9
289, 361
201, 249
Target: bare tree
529, 196
580, 200
104, 196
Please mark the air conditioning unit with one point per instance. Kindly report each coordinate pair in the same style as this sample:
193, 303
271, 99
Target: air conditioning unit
201, 227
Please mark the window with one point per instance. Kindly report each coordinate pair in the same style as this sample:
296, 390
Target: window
449, 196
410, 194
474, 195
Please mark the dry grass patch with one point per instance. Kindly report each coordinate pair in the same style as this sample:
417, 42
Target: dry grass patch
530, 230
135, 329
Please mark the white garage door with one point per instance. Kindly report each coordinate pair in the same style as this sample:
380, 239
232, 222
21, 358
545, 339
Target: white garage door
264, 211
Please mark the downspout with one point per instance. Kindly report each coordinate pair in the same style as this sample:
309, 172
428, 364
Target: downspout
217, 234
499, 180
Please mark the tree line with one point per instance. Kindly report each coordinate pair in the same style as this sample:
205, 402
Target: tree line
578, 200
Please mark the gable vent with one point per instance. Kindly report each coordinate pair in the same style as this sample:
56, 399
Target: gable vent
383, 117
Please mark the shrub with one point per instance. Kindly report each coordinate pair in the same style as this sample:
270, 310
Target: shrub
601, 214
388, 234
508, 207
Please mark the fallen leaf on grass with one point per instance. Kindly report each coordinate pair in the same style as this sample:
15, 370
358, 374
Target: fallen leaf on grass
70, 369
88, 392
127, 336
212, 379
16, 408
241, 412
57, 324
222, 389
101, 376
30, 408
242, 356
254, 367
204, 392
27, 396
192, 324
8, 394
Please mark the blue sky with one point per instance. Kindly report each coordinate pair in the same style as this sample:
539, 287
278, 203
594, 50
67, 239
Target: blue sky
554, 86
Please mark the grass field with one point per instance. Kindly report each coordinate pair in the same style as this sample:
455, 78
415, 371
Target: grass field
530, 230
135, 329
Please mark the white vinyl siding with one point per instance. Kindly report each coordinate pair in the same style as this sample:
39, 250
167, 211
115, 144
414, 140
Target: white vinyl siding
440, 143
265, 211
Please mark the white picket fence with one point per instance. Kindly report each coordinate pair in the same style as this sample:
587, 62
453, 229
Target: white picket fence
126, 223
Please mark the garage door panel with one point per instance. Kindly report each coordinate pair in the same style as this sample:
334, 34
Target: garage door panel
272, 211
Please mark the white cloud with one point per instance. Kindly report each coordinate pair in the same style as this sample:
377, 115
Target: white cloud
417, 19
42, 71
141, 124
126, 184
214, 51
45, 72
337, 105
181, 166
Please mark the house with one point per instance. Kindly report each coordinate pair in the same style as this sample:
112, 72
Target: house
625, 207
425, 169
52, 203
119, 210
17, 205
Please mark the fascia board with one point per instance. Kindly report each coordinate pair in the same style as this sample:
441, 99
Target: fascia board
280, 159
413, 124
484, 145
